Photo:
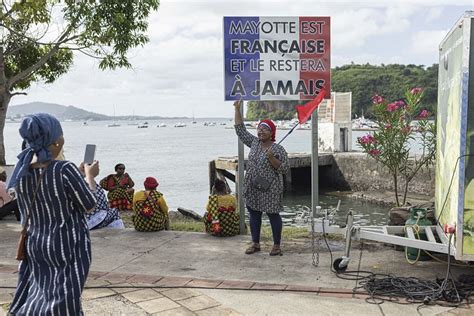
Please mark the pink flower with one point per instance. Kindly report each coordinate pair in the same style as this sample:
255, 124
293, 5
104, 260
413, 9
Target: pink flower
416, 90
423, 114
377, 99
371, 139
374, 152
388, 126
363, 140
400, 103
367, 139
392, 107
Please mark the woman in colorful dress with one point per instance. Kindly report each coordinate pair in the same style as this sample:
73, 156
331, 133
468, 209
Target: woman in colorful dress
53, 199
102, 215
263, 182
120, 187
221, 218
150, 208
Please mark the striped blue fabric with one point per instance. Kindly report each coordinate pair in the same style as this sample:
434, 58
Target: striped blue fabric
52, 277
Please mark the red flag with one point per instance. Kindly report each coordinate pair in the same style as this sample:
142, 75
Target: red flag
305, 111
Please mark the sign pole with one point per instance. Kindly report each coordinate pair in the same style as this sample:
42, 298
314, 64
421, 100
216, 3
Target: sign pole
240, 180
314, 162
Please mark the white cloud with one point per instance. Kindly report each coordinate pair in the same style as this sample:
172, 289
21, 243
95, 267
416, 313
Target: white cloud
433, 14
427, 42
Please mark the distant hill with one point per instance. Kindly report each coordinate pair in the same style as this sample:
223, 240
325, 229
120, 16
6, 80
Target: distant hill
60, 111
63, 112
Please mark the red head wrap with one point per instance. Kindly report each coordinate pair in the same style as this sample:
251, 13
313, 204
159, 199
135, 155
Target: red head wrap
268, 124
150, 183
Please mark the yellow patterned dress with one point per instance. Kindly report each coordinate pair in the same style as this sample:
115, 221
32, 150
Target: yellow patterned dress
150, 211
221, 218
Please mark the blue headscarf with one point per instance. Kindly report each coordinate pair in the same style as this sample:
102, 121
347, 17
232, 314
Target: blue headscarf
38, 132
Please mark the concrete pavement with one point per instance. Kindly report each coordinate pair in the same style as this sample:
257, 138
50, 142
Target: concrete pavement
196, 274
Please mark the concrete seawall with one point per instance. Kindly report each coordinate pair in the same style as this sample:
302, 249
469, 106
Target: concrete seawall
345, 171
358, 172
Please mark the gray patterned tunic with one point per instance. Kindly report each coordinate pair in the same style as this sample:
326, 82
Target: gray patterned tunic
269, 201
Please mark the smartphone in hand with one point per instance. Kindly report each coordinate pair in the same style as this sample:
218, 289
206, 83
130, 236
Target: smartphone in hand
89, 154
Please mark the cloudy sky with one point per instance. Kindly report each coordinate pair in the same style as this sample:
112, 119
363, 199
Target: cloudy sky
180, 71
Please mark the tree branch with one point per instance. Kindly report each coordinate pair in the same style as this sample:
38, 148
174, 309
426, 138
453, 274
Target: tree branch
10, 51
88, 54
28, 38
8, 12
18, 93
25, 73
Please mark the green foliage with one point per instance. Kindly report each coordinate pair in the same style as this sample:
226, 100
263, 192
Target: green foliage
41, 35
364, 81
274, 110
58, 64
399, 123
187, 226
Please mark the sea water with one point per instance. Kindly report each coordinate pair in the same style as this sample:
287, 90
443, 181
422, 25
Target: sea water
178, 158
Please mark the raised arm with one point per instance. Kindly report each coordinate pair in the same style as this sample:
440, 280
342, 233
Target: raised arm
240, 129
237, 115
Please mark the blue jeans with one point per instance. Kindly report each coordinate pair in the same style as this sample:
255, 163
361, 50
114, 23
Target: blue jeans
255, 219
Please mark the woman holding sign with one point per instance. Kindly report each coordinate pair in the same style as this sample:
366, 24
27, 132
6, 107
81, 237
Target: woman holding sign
263, 182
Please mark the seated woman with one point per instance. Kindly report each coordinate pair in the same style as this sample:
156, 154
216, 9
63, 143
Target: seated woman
221, 218
150, 209
120, 187
102, 215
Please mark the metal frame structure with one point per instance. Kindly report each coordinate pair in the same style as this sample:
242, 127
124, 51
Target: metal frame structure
437, 239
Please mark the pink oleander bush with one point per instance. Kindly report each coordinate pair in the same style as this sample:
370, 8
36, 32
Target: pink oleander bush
399, 123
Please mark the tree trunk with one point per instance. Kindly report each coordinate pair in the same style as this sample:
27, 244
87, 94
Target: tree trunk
5, 97
3, 115
395, 183
407, 181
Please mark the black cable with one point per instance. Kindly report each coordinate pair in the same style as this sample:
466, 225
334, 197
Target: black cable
345, 275
387, 287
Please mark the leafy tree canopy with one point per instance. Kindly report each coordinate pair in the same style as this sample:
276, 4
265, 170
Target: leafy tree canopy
38, 39
40, 36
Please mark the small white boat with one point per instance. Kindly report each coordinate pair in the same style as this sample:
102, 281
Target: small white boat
113, 125
180, 125
144, 125
161, 125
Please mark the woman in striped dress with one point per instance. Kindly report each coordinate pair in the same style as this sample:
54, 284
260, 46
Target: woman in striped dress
58, 249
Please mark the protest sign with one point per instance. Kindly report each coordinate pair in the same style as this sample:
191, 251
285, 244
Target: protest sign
276, 58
